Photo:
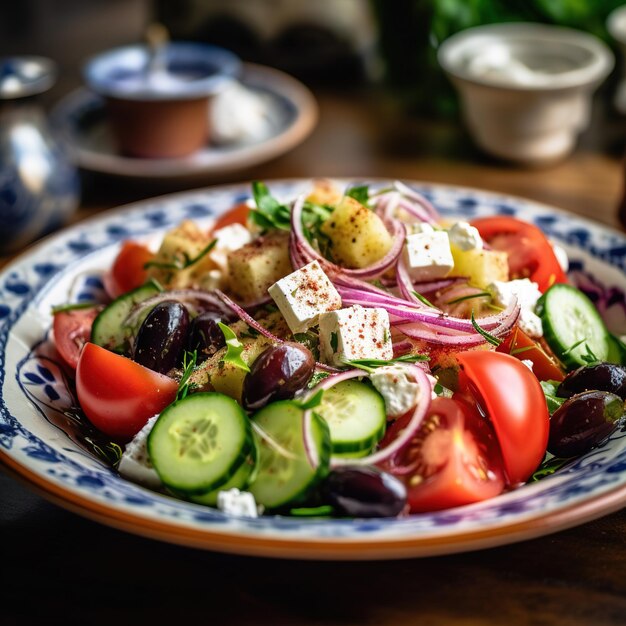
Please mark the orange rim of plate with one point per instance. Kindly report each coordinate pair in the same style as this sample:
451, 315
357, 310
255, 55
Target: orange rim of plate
340, 549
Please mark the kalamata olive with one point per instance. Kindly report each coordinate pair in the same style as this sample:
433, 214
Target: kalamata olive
364, 492
600, 377
583, 421
277, 373
161, 338
205, 336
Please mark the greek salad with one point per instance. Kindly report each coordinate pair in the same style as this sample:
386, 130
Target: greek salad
344, 353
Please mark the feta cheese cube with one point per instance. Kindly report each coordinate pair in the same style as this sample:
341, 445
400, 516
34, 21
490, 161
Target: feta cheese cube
235, 502
464, 236
355, 333
229, 238
427, 255
528, 363
302, 295
135, 463
527, 294
399, 392
415, 228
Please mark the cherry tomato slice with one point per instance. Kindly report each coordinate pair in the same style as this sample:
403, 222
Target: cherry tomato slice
521, 346
128, 271
453, 459
72, 329
237, 215
118, 395
510, 396
530, 253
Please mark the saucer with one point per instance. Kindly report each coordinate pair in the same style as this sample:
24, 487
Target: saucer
291, 115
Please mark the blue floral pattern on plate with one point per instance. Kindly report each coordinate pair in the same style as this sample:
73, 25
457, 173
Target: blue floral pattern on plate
36, 389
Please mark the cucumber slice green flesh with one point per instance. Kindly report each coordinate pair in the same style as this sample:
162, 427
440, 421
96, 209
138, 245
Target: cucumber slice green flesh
282, 479
199, 443
239, 480
617, 351
356, 416
572, 326
108, 328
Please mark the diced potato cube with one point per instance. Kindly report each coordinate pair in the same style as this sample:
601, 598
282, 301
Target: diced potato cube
359, 237
216, 375
325, 192
482, 267
258, 265
179, 245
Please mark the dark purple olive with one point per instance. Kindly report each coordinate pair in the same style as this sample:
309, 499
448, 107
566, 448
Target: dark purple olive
205, 336
277, 374
364, 492
600, 377
161, 338
583, 421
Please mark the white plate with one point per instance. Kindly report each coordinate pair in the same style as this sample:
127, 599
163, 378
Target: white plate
35, 395
80, 118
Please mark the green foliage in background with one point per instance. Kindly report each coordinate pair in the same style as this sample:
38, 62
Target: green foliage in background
411, 30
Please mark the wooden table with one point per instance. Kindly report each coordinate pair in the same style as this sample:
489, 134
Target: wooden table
58, 567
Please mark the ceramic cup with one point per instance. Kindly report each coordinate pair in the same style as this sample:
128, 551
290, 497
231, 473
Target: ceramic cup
158, 103
525, 88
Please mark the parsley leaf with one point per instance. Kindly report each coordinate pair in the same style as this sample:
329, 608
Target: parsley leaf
549, 466
269, 212
317, 378
361, 193
234, 348
488, 337
549, 388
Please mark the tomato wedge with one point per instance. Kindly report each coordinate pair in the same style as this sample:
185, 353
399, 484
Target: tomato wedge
530, 253
510, 396
72, 329
521, 346
118, 395
237, 215
128, 271
453, 459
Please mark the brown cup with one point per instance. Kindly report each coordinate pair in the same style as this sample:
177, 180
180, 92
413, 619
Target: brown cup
158, 129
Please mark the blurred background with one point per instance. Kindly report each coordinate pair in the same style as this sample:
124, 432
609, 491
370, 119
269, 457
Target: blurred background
386, 107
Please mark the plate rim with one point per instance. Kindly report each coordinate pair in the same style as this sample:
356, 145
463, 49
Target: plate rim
282, 84
340, 548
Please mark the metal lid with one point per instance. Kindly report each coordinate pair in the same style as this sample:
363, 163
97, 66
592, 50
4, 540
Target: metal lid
25, 76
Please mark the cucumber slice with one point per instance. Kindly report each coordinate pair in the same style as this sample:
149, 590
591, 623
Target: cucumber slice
199, 443
286, 479
572, 326
356, 416
617, 350
108, 328
240, 480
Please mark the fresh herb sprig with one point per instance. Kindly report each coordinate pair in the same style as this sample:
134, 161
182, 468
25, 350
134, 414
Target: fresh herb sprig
185, 262
488, 337
482, 294
189, 364
423, 300
234, 348
361, 193
269, 212
369, 365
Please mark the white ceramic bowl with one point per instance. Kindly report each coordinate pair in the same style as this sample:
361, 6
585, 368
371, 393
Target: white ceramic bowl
616, 25
525, 88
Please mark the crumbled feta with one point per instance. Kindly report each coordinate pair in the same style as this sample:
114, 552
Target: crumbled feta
427, 255
355, 333
465, 236
528, 363
135, 463
527, 294
302, 295
397, 389
229, 238
235, 502
561, 256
